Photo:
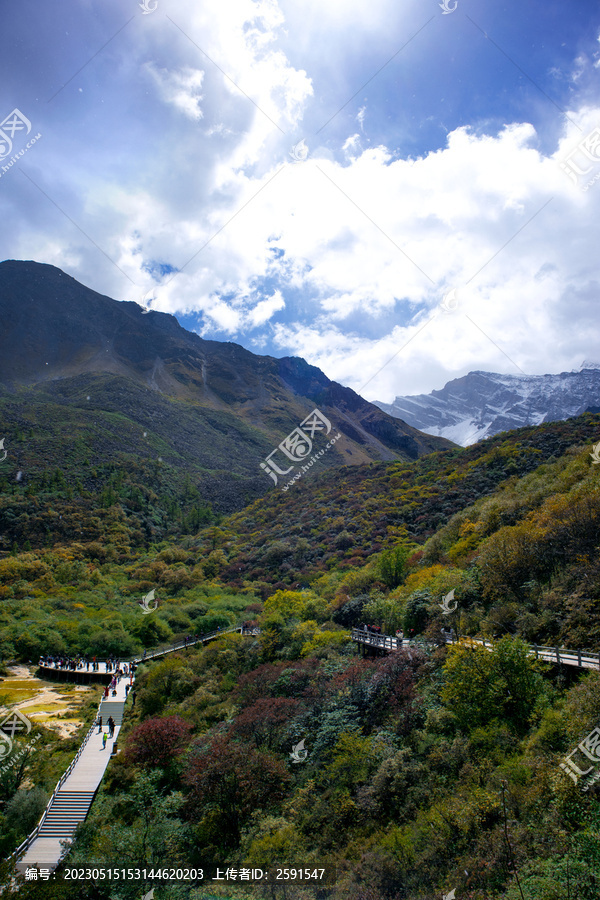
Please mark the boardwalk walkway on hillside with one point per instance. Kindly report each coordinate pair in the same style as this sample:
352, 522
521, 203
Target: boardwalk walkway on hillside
73, 796
582, 659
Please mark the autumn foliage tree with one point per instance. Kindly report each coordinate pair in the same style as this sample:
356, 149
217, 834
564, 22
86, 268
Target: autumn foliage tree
264, 720
157, 742
227, 782
482, 685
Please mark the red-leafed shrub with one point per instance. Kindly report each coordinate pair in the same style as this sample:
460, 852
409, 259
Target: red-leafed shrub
263, 721
158, 741
232, 780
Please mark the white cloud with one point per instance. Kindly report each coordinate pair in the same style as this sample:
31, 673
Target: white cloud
180, 88
452, 212
379, 236
265, 309
367, 236
351, 146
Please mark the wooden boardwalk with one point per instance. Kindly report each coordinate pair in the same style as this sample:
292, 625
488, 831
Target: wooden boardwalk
582, 659
74, 793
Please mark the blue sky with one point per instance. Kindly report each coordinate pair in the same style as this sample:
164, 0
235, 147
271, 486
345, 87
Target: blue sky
314, 178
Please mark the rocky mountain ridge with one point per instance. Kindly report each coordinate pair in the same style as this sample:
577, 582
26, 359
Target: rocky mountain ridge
482, 404
136, 382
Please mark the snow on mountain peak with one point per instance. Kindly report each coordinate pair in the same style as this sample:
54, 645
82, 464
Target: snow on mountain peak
482, 404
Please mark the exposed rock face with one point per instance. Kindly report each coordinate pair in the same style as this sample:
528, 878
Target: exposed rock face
482, 404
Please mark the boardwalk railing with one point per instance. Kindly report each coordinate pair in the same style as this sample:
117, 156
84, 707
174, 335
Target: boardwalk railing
385, 641
182, 644
30, 838
583, 659
156, 652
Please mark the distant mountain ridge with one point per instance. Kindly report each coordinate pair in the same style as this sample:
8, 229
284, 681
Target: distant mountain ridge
482, 404
214, 409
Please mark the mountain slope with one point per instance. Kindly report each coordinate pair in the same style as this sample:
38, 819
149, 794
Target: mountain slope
345, 516
482, 404
103, 404
55, 328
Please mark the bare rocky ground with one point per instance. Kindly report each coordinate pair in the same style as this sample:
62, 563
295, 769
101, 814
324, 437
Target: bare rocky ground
54, 705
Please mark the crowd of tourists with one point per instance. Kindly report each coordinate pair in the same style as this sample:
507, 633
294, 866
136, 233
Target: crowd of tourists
70, 662
82, 663
123, 671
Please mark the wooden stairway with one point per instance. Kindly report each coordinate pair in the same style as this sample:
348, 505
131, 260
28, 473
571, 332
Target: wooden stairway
67, 810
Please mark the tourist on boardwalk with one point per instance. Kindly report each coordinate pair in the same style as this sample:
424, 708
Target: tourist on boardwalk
99, 724
111, 726
104, 739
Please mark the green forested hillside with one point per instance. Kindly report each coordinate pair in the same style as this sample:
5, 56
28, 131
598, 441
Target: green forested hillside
104, 403
340, 519
81, 445
426, 773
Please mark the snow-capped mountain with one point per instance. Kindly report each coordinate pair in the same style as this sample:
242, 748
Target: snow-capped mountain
481, 404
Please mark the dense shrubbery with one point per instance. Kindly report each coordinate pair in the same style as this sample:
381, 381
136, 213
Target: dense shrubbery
54, 612
410, 764
424, 773
383, 506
